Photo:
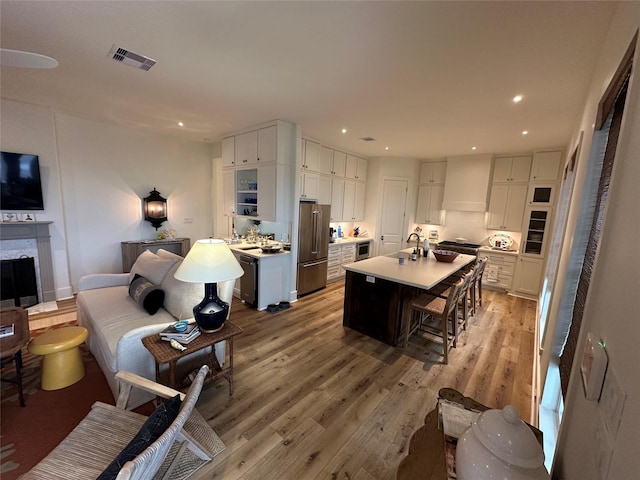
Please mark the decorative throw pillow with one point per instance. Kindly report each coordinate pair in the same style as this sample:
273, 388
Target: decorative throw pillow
181, 296
146, 294
154, 426
151, 266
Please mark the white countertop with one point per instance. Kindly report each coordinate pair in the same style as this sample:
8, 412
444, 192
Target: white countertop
424, 273
255, 251
344, 240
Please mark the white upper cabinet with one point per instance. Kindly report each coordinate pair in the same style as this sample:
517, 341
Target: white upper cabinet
512, 169
337, 199
433, 172
229, 191
429, 208
339, 164
228, 152
311, 158
506, 207
356, 168
348, 207
358, 208
324, 189
268, 144
325, 164
246, 148
309, 182
546, 166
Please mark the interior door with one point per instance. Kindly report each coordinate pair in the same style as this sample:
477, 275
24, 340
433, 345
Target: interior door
394, 202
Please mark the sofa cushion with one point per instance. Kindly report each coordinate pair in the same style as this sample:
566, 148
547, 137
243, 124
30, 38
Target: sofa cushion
150, 431
180, 297
110, 315
162, 253
152, 267
146, 294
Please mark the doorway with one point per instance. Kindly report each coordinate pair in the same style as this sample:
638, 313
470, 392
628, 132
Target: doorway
392, 227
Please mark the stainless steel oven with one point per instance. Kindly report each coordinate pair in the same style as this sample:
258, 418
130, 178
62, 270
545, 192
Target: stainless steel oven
362, 250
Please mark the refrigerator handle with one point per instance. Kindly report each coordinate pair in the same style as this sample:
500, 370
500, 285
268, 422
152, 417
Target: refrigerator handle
316, 231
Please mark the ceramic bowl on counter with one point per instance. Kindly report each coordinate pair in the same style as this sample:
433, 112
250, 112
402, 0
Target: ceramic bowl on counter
446, 256
273, 248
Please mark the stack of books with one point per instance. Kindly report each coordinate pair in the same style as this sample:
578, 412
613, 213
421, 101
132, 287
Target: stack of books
191, 333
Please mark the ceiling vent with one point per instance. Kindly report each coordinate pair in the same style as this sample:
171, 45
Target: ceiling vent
129, 58
368, 139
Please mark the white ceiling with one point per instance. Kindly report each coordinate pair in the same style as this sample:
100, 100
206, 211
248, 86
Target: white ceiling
427, 79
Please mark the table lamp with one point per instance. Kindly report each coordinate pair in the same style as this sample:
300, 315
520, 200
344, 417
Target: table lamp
209, 261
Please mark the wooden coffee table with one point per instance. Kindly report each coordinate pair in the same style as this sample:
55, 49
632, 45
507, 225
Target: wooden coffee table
163, 353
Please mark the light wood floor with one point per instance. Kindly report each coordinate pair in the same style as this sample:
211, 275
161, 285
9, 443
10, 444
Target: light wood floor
313, 399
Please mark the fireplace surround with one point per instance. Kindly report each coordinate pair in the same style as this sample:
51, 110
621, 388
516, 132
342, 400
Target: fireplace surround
40, 232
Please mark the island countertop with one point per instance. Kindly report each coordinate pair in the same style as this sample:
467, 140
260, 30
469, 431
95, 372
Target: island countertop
423, 273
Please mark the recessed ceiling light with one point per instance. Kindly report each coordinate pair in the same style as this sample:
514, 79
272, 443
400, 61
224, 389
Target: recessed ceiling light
525, 132
473, 148
344, 130
386, 148
180, 124
517, 98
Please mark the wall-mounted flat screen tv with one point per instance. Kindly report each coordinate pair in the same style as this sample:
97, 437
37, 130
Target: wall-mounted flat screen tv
20, 185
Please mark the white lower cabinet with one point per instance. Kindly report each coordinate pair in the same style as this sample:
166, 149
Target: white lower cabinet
339, 255
499, 270
528, 275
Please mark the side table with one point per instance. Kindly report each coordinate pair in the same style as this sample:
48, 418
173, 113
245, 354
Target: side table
163, 353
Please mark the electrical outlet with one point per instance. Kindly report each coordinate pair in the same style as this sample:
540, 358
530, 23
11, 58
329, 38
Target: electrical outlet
187, 220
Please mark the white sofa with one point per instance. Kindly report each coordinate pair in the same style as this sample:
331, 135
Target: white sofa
117, 323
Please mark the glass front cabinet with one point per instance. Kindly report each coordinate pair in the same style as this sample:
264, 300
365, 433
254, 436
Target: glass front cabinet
536, 230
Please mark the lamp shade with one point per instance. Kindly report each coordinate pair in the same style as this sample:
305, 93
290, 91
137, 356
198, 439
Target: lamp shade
209, 261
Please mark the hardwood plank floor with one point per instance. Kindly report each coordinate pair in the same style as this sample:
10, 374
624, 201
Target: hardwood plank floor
313, 399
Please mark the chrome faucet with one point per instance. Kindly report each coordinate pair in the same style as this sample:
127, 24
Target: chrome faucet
417, 241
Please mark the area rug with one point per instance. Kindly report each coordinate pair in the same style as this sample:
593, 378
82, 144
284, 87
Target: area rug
28, 434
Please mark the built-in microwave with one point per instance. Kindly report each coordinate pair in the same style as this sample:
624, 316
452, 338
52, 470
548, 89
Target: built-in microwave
362, 250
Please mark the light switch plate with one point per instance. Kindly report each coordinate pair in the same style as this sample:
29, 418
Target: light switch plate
593, 366
604, 450
612, 402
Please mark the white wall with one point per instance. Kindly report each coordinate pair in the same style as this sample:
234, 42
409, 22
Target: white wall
612, 308
29, 129
95, 177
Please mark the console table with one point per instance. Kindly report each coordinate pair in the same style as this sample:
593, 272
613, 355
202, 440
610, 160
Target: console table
132, 249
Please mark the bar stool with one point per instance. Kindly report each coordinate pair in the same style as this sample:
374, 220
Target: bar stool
476, 284
442, 311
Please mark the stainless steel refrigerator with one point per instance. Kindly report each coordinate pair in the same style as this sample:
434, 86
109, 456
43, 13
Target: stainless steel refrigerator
313, 247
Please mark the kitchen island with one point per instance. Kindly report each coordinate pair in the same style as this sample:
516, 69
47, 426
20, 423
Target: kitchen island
378, 289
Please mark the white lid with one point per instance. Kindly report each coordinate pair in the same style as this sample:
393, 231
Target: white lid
508, 438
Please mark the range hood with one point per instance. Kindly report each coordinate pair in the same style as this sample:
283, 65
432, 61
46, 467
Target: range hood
467, 183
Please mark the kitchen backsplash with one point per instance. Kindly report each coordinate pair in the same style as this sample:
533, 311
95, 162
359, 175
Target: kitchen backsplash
469, 225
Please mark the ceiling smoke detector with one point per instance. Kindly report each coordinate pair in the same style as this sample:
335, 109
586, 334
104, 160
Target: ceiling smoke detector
368, 139
135, 60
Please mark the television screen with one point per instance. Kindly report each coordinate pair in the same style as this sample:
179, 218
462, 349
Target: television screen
20, 185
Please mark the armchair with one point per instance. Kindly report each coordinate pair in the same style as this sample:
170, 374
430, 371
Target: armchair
187, 443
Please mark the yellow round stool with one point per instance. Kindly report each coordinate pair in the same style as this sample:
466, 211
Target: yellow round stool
62, 363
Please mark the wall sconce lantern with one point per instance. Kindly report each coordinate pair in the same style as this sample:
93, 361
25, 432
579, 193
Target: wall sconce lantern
155, 208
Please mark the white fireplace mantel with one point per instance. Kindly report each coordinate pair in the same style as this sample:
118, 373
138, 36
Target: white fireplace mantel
39, 231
